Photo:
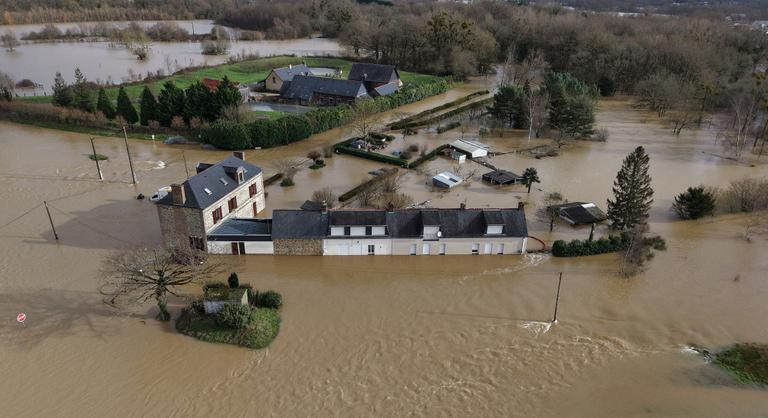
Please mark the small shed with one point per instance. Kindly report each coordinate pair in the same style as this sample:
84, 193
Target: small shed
446, 180
459, 156
579, 213
502, 177
471, 148
216, 298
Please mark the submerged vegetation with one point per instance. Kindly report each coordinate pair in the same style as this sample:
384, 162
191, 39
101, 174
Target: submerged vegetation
747, 362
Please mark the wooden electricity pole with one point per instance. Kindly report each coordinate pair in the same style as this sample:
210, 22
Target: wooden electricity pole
96, 158
557, 298
53, 228
183, 156
128, 150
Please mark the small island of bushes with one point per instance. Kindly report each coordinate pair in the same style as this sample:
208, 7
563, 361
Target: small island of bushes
244, 317
747, 362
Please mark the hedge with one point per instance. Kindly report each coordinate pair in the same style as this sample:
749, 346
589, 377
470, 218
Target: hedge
344, 148
578, 248
402, 122
428, 156
448, 127
226, 134
446, 115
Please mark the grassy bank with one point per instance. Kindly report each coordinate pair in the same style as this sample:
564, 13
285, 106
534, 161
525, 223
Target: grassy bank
262, 330
249, 71
88, 130
747, 362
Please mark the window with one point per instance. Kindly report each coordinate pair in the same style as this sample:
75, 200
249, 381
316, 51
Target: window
347, 230
255, 209
442, 249
274, 80
368, 230
232, 203
217, 215
196, 243
475, 249
500, 249
371, 250
413, 249
253, 189
239, 177
425, 249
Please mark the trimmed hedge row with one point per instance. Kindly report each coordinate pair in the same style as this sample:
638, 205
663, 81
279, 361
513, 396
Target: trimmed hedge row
402, 122
578, 248
448, 127
344, 148
449, 114
266, 133
428, 156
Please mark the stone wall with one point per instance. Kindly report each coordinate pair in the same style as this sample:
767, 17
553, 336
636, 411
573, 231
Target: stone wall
298, 246
178, 223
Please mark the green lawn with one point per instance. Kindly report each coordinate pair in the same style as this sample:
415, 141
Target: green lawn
747, 362
264, 326
243, 72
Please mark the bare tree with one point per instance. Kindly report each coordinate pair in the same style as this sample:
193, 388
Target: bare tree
9, 40
391, 183
325, 195
288, 166
395, 201
367, 198
7, 87
134, 277
365, 118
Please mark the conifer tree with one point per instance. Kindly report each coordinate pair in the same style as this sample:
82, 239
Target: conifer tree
62, 93
148, 109
170, 103
125, 107
200, 102
694, 203
226, 95
508, 106
104, 105
83, 99
632, 192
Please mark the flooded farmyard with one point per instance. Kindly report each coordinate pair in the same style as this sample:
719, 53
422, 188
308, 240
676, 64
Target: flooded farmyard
383, 336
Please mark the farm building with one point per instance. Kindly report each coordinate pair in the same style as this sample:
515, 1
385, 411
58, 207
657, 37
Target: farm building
446, 180
376, 76
279, 76
471, 148
502, 177
322, 91
579, 213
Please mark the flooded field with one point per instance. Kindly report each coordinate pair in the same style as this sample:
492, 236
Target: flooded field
381, 336
102, 62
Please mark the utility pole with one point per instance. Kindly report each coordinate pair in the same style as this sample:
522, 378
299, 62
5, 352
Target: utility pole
185, 163
557, 298
128, 150
592, 233
48, 211
96, 158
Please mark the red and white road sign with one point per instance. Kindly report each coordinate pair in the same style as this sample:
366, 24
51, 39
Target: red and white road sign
21, 317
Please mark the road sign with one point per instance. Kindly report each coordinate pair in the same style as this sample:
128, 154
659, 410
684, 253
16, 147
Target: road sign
21, 317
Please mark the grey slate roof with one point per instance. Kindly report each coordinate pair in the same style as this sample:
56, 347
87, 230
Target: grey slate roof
376, 73
359, 217
578, 214
304, 86
401, 223
287, 74
299, 224
386, 89
211, 179
243, 229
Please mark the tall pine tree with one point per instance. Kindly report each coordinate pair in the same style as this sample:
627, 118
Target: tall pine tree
632, 192
200, 102
508, 106
125, 107
226, 95
62, 93
170, 103
104, 105
148, 109
83, 99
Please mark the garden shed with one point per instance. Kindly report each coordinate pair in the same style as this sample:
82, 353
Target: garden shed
446, 180
216, 297
471, 148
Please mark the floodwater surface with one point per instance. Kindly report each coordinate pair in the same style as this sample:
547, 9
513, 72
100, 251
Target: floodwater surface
382, 336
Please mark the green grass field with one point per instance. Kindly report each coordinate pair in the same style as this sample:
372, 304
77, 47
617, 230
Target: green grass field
243, 72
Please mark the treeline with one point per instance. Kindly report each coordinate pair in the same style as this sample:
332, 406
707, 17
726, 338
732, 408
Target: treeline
182, 110
46, 11
230, 134
718, 9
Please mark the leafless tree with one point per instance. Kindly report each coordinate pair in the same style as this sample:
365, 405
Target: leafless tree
9, 40
391, 183
365, 118
137, 276
636, 253
743, 106
395, 201
367, 198
288, 166
325, 195
235, 113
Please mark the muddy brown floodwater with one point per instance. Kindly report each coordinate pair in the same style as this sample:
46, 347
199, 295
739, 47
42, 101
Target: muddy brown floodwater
382, 336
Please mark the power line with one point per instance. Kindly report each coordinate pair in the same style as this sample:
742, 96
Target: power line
20, 216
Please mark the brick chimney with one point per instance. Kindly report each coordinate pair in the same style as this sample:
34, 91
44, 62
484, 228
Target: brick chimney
178, 194
239, 154
520, 205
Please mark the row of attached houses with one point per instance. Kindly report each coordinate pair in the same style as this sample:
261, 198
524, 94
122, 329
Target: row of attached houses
216, 211
296, 84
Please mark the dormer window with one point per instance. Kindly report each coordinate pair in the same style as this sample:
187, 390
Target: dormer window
239, 177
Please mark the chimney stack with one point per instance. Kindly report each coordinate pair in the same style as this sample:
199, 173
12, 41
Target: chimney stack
239, 154
178, 194
520, 205
462, 206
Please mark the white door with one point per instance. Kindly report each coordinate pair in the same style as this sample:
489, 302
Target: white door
475, 248
487, 249
342, 249
413, 249
500, 249
442, 249
425, 249
357, 248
